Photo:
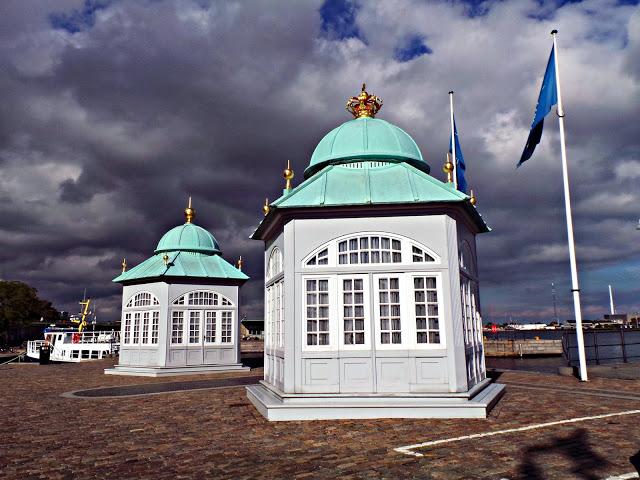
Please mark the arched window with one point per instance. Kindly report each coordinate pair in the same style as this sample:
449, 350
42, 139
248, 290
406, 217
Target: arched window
321, 258
274, 267
203, 298
419, 255
141, 320
142, 299
370, 249
466, 259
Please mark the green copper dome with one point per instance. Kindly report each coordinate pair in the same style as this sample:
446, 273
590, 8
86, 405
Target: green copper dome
366, 138
188, 238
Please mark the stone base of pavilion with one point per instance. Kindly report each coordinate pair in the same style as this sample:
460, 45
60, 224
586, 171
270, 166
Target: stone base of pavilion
275, 405
173, 371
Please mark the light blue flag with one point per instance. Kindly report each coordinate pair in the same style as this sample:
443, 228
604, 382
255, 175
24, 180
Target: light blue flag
547, 99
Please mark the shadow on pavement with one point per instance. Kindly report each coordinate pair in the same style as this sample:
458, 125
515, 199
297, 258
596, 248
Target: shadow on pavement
585, 462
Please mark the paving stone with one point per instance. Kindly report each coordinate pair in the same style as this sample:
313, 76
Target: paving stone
218, 434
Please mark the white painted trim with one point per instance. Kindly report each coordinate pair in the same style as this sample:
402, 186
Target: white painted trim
220, 305
333, 314
405, 247
408, 449
366, 288
412, 308
155, 302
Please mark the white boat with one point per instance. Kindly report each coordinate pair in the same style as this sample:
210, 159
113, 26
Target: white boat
70, 345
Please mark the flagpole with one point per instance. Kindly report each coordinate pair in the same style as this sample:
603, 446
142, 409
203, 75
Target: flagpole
611, 305
575, 289
453, 143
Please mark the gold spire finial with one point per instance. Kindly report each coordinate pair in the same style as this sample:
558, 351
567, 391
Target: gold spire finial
124, 265
288, 175
265, 207
239, 263
364, 105
473, 200
189, 213
165, 259
448, 168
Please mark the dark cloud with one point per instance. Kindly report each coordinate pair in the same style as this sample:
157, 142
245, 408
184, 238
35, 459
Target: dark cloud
113, 113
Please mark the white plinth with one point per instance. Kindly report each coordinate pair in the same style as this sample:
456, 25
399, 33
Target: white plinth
173, 371
276, 406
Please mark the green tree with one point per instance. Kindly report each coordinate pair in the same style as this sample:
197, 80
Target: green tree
19, 306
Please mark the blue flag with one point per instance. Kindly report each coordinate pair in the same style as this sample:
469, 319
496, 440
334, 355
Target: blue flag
547, 99
460, 166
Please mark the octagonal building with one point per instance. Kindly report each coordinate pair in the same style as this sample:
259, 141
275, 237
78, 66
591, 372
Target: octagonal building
371, 287
180, 307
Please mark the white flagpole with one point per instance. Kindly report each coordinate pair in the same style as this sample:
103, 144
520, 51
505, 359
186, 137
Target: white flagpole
575, 289
453, 143
611, 305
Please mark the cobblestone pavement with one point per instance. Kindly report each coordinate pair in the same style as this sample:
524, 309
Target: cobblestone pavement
218, 434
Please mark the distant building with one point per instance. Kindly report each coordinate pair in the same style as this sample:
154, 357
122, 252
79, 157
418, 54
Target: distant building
180, 308
371, 288
618, 318
252, 328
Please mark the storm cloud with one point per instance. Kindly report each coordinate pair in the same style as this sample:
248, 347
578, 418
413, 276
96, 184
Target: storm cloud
114, 112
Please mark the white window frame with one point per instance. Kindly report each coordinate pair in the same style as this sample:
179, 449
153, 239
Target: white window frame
145, 327
443, 338
154, 327
131, 301
405, 330
182, 300
179, 331
366, 289
199, 315
126, 328
406, 249
216, 331
408, 312
232, 329
275, 264
333, 324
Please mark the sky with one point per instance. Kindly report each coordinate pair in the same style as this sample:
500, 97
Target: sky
114, 112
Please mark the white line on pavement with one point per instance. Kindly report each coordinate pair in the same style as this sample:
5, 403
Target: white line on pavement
624, 476
408, 449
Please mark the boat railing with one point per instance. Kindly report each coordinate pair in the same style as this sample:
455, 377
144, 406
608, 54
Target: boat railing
99, 336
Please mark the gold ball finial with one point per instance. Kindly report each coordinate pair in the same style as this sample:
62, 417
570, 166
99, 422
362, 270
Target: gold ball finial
364, 105
239, 263
473, 200
448, 168
265, 207
288, 175
124, 265
189, 213
165, 259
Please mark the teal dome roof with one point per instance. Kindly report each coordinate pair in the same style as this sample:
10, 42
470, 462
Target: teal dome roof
188, 238
366, 138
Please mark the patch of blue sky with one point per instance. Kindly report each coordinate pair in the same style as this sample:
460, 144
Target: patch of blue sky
80, 18
622, 276
339, 19
413, 47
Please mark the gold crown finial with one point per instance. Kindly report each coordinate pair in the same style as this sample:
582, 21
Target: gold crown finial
288, 175
448, 168
189, 213
124, 265
240, 262
364, 105
473, 200
265, 207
